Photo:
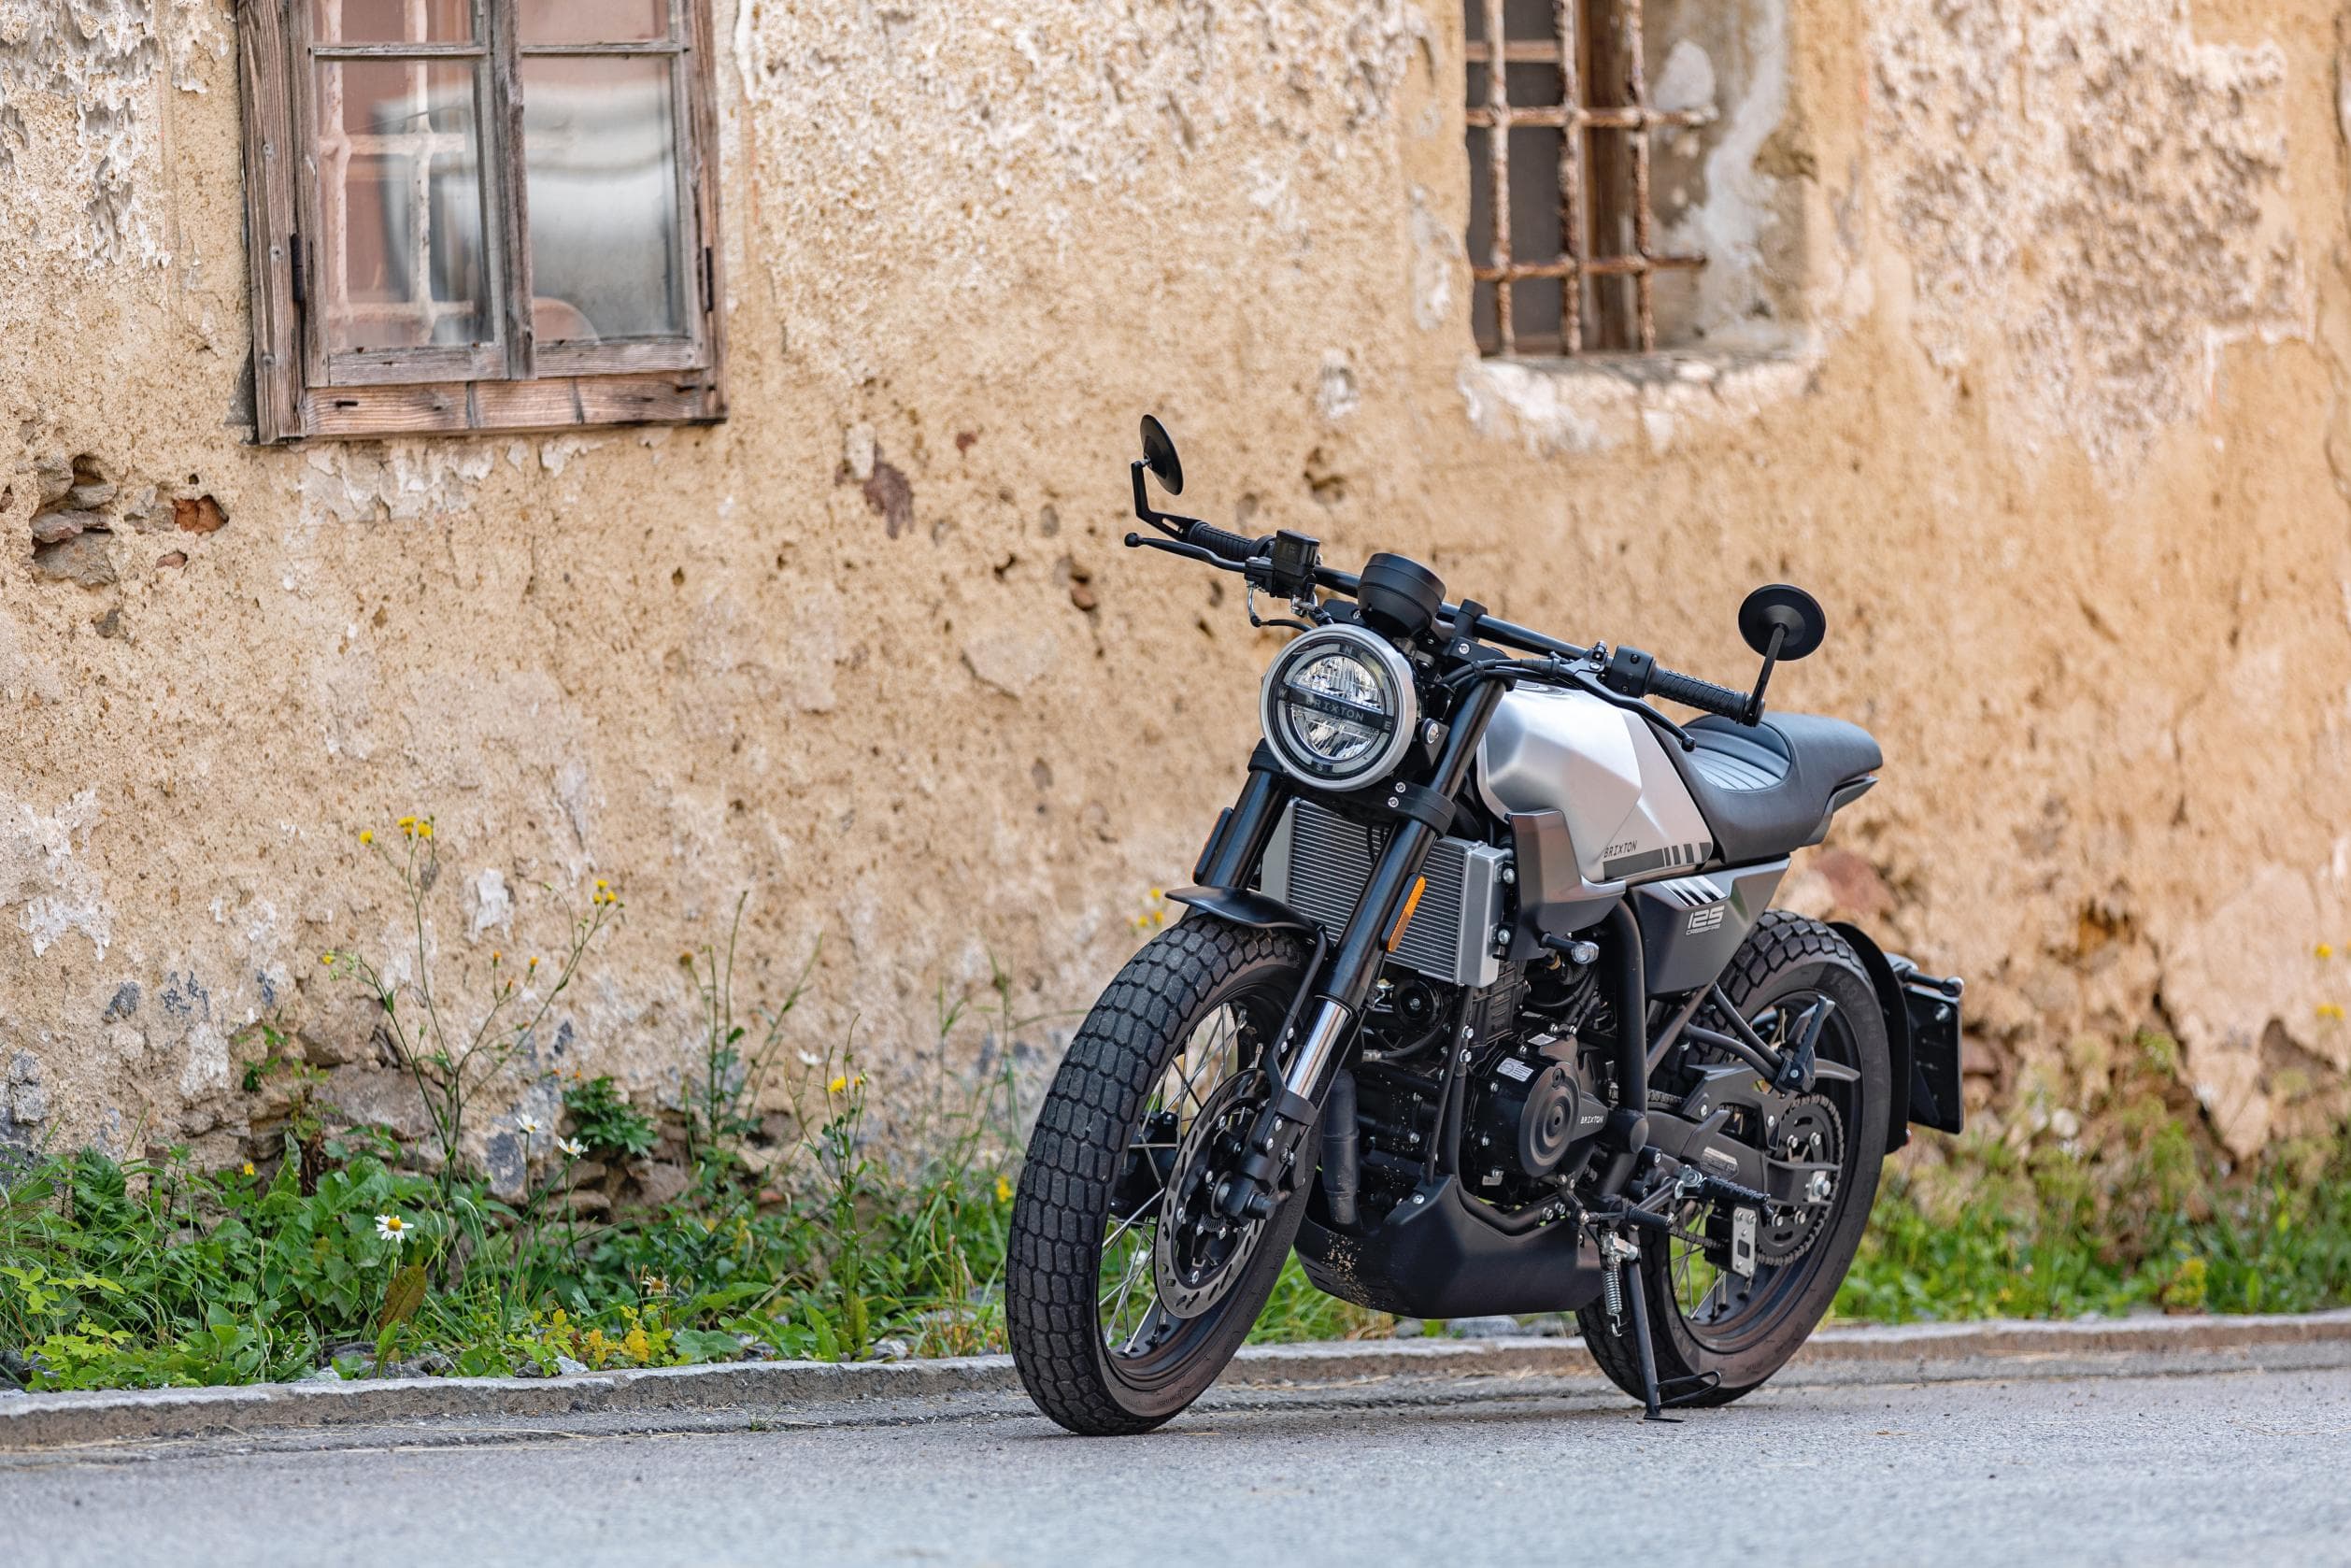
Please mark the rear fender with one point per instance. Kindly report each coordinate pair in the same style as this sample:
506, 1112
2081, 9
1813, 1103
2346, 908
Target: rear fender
1922, 1035
1890, 1003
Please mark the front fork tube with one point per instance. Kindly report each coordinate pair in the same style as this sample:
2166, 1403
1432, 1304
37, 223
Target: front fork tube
1306, 1077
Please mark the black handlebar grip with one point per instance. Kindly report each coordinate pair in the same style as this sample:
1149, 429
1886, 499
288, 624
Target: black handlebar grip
1690, 692
1215, 541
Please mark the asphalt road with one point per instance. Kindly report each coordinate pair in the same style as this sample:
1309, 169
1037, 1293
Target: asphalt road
2233, 1468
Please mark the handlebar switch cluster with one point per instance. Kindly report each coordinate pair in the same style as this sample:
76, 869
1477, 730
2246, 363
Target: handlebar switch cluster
1628, 672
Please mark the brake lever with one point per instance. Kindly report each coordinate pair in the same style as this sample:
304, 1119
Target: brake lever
1189, 553
1584, 682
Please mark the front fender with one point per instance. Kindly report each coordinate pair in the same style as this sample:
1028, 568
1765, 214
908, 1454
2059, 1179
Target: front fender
1242, 907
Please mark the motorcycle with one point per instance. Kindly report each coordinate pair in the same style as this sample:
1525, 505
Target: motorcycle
1480, 1005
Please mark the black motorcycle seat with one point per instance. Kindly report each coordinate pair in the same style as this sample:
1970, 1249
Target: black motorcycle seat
1770, 789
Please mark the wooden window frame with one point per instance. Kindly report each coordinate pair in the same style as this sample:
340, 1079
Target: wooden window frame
302, 391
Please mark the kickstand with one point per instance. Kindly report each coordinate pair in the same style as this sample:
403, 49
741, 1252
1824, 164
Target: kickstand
1654, 1408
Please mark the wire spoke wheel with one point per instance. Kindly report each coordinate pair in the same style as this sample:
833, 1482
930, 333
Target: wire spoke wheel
1720, 1307
1205, 1071
1735, 1291
1127, 1290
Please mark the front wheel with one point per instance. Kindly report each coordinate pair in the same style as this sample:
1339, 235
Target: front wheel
1720, 1331
1127, 1292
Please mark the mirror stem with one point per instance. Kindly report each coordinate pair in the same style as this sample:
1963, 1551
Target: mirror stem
1753, 714
1165, 522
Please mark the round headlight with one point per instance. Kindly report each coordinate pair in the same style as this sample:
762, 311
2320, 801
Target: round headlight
1338, 707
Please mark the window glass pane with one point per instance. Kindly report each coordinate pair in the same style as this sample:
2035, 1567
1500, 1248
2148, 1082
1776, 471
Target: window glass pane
599, 154
593, 21
392, 21
400, 259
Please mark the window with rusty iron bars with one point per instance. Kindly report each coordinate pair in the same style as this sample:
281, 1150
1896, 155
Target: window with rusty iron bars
1563, 236
469, 215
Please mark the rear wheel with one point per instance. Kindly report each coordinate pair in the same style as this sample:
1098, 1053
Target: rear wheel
1720, 1334
1127, 1292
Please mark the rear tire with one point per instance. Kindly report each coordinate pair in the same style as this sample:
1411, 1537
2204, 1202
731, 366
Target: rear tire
1784, 958
1063, 1227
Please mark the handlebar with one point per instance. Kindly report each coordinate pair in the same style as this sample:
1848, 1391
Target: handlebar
1634, 673
1228, 547
1629, 672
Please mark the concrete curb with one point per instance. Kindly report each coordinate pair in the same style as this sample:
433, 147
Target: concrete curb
1929, 1352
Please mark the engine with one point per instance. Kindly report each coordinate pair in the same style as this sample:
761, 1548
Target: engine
1529, 1098
1533, 1108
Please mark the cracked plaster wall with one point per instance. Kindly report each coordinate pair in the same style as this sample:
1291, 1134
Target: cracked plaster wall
2048, 427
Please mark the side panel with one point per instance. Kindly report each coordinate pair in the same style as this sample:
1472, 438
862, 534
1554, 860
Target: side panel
1691, 925
1627, 811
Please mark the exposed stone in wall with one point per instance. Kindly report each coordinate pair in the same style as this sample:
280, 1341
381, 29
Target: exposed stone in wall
24, 1101
2086, 189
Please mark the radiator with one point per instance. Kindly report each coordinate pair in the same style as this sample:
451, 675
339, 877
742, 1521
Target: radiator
1318, 862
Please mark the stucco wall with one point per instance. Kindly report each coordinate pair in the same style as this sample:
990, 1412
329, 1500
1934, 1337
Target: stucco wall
2050, 413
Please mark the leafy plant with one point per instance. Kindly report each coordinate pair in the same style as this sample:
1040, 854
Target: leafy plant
450, 1060
723, 1105
605, 1124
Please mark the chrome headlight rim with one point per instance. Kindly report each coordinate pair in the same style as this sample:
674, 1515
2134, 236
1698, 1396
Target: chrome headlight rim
1399, 701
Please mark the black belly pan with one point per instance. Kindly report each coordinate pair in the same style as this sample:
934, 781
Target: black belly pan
1435, 1257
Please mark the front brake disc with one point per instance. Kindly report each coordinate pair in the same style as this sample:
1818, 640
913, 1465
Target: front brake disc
1198, 1254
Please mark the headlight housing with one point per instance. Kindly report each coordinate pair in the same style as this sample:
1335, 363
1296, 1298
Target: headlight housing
1338, 707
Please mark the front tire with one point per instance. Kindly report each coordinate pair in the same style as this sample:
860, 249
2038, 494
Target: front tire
1719, 1337
1185, 1018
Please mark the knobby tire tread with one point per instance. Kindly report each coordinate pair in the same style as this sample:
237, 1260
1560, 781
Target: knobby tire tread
1063, 1200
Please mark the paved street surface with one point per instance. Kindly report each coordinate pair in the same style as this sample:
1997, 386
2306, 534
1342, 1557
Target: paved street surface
2232, 1468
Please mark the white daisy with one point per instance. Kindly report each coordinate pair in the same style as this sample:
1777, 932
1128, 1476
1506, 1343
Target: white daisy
391, 1228
526, 1126
572, 1147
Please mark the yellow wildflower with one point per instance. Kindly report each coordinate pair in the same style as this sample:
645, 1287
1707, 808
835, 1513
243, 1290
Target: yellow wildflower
249, 1167
2330, 1010
2325, 950
326, 958
368, 836
840, 1084
1004, 1189
424, 829
640, 1349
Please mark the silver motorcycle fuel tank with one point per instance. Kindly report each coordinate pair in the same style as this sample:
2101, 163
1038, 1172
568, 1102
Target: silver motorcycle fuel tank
1629, 815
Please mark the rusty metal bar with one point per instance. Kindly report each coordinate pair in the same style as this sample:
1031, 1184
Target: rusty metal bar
1498, 166
1571, 181
1600, 118
1596, 266
1637, 89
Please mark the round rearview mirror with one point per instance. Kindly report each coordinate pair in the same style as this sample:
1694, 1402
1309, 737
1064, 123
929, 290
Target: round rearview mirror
1781, 608
1159, 455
